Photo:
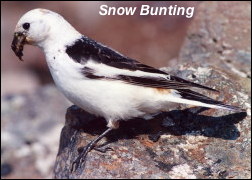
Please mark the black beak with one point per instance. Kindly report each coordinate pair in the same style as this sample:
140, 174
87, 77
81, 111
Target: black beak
18, 43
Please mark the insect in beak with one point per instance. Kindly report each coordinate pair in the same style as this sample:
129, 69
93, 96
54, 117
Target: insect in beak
18, 43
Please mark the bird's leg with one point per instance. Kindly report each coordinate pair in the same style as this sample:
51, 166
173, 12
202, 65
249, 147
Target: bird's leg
112, 125
82, 156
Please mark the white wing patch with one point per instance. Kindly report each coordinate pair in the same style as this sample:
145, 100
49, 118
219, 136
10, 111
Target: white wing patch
109, 71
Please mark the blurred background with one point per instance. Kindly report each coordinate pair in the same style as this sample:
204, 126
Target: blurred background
32, 112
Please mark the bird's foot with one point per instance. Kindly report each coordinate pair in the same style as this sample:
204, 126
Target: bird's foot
83, 151
81, 159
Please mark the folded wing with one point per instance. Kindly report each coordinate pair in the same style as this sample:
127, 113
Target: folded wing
116, 66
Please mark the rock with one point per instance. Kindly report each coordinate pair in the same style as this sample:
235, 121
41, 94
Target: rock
31, 125
221, 38
182, 143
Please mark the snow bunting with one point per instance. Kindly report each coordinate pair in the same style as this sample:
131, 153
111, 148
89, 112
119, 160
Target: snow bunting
100, 80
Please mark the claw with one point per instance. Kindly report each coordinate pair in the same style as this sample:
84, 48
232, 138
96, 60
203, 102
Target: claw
80, 160
103, 150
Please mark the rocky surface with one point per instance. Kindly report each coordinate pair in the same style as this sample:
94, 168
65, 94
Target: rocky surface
221, 38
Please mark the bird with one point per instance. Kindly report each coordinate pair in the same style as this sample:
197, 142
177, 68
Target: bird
101, 80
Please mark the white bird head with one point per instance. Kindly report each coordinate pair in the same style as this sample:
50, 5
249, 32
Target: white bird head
40, 27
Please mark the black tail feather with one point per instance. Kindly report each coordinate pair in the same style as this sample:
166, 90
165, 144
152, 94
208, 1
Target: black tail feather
194, 96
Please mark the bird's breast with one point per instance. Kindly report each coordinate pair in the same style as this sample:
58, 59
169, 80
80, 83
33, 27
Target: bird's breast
68, 78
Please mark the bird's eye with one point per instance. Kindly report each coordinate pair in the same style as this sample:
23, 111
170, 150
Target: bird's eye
26, 26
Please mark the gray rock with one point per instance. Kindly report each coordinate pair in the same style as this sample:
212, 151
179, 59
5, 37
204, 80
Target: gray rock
221, 37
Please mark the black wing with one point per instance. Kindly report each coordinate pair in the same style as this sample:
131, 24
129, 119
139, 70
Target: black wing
85, 48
